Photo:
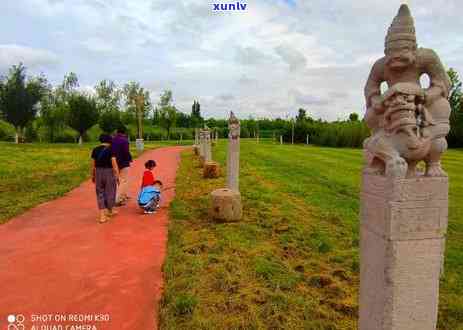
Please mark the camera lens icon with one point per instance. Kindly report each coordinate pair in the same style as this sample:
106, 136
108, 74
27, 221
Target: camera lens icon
15, 322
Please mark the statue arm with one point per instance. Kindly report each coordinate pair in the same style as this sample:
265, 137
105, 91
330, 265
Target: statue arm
439, 80
373, 98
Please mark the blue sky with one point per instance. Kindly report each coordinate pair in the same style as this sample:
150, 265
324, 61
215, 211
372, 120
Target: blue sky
268, 61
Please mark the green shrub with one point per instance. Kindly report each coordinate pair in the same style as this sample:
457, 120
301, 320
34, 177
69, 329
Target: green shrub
7, 131
185, 304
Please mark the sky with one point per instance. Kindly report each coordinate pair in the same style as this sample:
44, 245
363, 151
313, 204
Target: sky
266, 61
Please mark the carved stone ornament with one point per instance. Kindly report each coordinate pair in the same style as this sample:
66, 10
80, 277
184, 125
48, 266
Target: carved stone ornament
409, 123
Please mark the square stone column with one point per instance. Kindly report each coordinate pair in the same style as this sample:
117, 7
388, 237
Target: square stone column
402, 241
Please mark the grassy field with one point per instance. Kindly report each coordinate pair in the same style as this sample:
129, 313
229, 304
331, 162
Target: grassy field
292, 262
34, 173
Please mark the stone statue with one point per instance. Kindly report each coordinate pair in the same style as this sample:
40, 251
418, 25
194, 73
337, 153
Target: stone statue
409, 124
233, 126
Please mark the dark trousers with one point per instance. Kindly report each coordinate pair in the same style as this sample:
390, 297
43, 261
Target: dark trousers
105, 184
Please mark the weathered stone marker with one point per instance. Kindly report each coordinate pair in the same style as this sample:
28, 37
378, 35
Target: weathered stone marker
404, 213
196, 145
233, 155
202, 146
207, 145
226, 203
211, 169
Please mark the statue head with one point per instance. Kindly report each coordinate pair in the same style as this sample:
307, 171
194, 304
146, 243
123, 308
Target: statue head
234, 126
400, 44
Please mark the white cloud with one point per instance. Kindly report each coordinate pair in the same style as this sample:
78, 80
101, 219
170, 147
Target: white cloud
32, 57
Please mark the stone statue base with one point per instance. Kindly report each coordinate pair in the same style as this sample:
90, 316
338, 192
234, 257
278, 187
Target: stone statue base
402, 243
226, 205
211, 170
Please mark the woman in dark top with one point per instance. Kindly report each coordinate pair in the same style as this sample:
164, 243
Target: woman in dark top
105, 175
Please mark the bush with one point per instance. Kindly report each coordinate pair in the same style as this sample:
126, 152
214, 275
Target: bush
7, 131
348, 134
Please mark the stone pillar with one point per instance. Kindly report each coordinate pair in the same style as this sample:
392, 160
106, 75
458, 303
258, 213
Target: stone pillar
207, 146
202, 146
233, 159
281, 139
226, 203
402, 241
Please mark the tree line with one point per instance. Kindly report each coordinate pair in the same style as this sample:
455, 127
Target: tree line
32, 109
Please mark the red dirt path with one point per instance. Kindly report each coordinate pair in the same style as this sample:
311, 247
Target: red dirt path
56, 259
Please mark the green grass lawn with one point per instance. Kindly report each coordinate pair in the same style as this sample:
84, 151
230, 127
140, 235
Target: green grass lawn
34, 173
292, 262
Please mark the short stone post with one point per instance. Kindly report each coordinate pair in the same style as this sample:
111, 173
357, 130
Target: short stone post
211, 169
307, 139
281, 139
226, 203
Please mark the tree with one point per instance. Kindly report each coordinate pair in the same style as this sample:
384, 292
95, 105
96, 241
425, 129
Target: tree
108, 96
53, 115
54, 105
83, 113
455, 137
301, 115
168, 112
353, 117
19, 98
195, 119
110, 121
138, 101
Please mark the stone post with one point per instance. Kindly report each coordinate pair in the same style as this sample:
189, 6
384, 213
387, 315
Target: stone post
307, 139
207, 148
233, 158
202, 146
281, 139
226, 203
402, 242
211, 169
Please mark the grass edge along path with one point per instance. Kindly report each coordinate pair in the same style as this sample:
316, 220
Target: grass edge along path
32, 174
293, 261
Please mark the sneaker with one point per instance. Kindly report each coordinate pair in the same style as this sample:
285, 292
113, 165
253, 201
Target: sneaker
149, 211
103, 219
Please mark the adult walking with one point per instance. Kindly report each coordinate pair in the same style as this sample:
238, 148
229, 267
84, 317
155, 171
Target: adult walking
105, 175
121, 150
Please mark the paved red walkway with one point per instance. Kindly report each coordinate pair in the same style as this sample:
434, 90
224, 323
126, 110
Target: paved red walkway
56, 259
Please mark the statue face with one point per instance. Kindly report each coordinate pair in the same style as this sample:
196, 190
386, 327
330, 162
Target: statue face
400, 57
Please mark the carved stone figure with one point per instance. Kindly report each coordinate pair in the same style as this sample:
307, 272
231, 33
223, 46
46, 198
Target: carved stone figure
409, 123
